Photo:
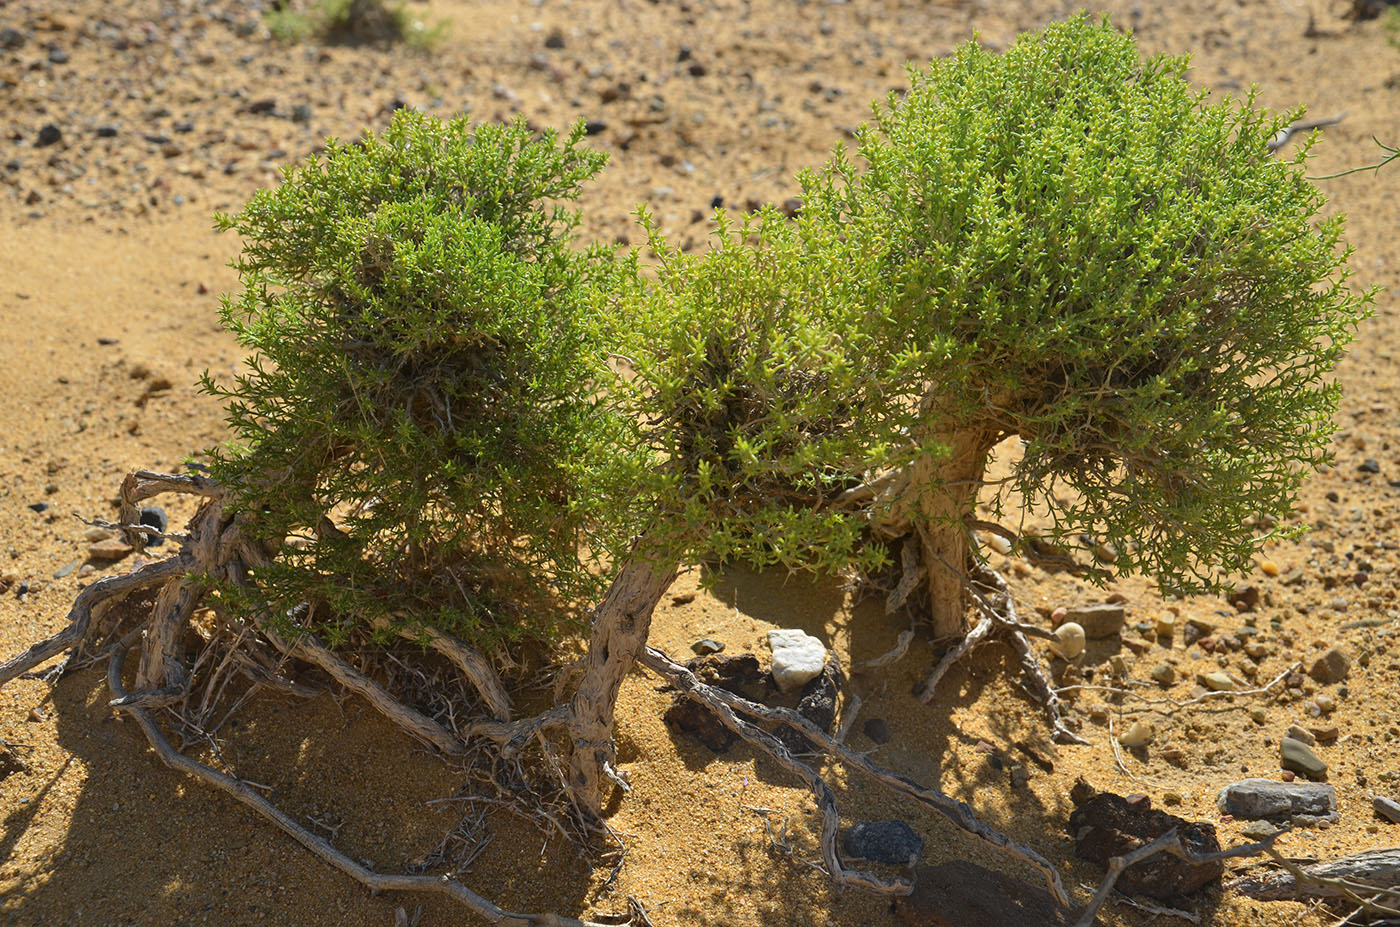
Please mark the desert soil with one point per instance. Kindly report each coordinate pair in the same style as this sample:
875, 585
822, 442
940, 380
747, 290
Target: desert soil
110, 274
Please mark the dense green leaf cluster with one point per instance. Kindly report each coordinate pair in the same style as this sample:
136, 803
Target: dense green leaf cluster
752, 369
1064, 243
420, 414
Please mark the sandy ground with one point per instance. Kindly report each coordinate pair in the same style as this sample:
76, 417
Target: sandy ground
109, 281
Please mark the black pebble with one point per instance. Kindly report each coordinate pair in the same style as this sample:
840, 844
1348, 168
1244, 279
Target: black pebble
11, 38
594, 126
554, 40
1370, 466
716, 201
301, 113
49, 135
154, 517
107, 131
39, 506
58, 56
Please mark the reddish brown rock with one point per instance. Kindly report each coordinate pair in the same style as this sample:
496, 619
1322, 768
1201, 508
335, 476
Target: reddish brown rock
110, 549
1107, 825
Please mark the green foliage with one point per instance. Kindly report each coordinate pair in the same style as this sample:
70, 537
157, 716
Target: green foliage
353, 21
1086, 252
750, 367
420, 413
1064, 243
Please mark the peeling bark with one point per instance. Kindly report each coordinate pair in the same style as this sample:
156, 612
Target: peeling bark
933, 500
620, 626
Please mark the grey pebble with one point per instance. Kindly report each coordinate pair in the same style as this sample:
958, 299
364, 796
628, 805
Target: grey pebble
1387, 808
707, 645
1295, 802
1297, 756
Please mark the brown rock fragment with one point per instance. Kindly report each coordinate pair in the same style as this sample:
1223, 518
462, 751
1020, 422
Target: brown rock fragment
110, 549
1108, 825
1332, 665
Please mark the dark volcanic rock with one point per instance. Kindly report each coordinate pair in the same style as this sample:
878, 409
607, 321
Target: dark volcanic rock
1107, 825
744, 676
892, 842
818, 705
741, 674
961, 894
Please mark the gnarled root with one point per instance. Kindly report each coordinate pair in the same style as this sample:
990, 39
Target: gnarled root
216, 547
998, 619
318, 845
729, 708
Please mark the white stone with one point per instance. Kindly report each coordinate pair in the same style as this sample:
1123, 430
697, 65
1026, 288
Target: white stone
1069, 640
798, 658
1137, 735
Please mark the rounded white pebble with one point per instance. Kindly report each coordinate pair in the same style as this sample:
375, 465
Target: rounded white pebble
1138, 735
1069, 640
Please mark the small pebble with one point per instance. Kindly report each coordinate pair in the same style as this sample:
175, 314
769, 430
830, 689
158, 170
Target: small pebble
707, 645
1300, 733
1219, 682
1163, 674
1268, 568
1069, 640
1298, 757
1138, 735
110, 549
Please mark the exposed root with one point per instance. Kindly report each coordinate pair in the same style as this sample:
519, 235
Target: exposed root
998, 619
322, 848
472, 665
307, 648
728, 707
1370, 880
196, 692
91, 602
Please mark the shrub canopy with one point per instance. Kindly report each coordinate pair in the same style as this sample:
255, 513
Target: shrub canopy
420, 412
1064, 243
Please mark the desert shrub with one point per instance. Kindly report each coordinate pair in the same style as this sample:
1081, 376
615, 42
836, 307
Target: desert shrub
352, 21
419, 416
1065, 243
